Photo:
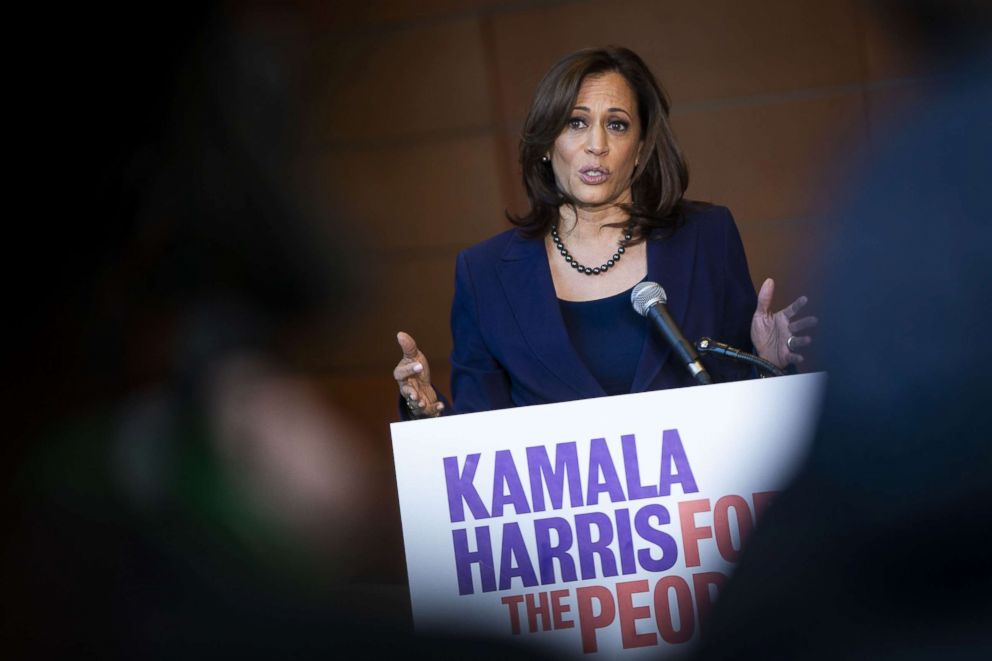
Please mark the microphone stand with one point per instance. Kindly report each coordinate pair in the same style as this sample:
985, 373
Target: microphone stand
706, 345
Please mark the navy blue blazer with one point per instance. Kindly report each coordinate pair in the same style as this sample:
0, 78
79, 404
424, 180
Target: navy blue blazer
511, 347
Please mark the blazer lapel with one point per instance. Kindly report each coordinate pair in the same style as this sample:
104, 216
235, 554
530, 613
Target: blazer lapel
670, 264
526, 279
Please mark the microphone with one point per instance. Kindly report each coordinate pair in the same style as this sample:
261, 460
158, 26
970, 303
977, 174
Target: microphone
648, 299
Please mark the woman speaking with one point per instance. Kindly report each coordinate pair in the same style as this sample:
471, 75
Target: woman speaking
542, 312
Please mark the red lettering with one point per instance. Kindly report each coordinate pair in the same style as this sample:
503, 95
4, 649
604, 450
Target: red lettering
513, 603
721, 525
533, 610
588, 623
558, 609
691, 533
701, 584
629, 614
663, 611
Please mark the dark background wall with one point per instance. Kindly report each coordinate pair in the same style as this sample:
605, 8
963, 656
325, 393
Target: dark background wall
388, 129
234, 206
412, 115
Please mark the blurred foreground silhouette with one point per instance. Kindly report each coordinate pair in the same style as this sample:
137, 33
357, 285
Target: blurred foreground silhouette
181, 486
880, 548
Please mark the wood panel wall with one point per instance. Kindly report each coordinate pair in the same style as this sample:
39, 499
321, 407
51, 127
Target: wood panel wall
413, 111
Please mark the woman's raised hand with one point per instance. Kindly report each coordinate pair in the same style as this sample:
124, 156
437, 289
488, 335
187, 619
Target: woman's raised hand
774, 335
413, 376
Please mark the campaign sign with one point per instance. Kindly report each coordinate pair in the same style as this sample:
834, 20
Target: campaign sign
596, 527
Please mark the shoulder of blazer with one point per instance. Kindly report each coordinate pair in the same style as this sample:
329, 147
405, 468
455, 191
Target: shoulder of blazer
704, 215
705, 221
696, 217
508, 245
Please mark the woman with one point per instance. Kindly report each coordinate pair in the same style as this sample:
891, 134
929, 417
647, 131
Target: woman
542, 312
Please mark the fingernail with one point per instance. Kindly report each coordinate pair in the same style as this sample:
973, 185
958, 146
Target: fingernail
417, 367
440, 407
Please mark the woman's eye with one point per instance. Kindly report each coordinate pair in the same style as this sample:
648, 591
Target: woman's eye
618, 125
576, 123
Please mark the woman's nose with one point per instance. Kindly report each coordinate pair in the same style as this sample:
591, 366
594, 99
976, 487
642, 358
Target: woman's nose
596, 142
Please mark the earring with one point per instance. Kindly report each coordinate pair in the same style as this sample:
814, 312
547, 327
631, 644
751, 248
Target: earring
545, 158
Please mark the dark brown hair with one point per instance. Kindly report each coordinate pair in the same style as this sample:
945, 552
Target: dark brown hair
661, 175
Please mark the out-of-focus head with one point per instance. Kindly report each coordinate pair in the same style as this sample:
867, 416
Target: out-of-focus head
660, 177
935, 33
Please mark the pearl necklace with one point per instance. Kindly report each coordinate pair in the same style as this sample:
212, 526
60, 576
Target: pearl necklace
598, 269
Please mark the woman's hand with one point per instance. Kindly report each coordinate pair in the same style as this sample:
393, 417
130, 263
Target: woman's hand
413, 376
774, 335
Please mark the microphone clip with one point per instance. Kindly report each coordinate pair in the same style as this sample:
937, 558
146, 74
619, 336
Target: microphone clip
706, 345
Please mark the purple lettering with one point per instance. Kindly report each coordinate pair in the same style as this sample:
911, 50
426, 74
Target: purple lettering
588, 548
464, 559
601, 464
664, 541
514, 548
507, 488
461, 491
625, 542
635, 489
673, 456
541, 474
546, 553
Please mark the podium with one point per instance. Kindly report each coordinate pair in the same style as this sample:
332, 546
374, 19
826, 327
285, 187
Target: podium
601, 527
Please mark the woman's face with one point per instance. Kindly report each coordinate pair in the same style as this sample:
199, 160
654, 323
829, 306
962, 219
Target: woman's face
594, 156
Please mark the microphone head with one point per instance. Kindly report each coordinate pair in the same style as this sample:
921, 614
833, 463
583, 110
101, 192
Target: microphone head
645, 295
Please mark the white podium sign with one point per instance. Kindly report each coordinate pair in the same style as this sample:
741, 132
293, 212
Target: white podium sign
602, 526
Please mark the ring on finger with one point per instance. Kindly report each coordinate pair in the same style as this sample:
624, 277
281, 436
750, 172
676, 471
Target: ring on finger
788, 342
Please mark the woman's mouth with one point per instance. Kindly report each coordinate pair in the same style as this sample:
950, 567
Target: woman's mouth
591, 175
